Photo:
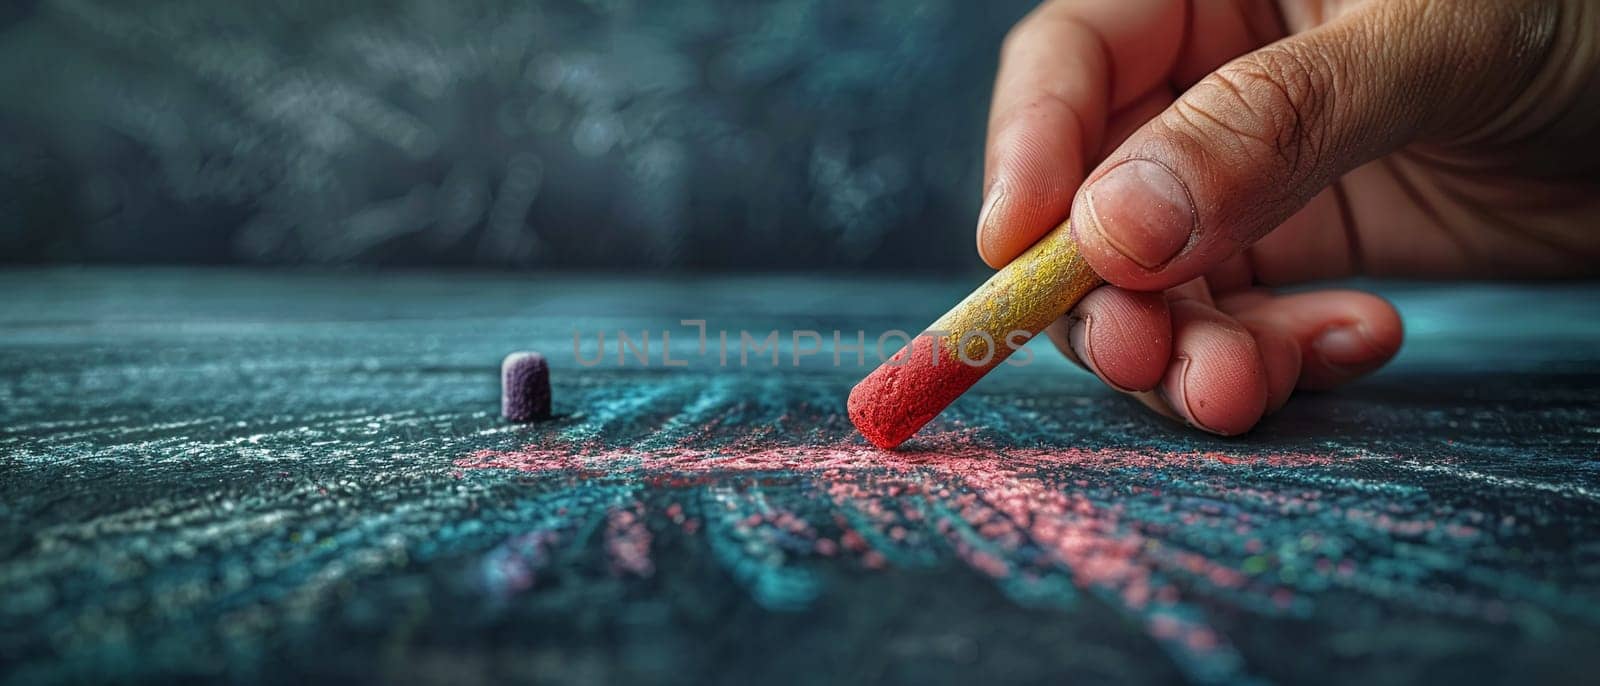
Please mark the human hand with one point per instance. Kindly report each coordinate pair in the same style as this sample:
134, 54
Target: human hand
1206, 150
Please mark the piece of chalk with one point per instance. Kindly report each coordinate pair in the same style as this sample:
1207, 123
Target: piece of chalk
909, 389
524, 387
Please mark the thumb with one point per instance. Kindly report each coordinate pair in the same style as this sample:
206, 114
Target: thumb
1253, 142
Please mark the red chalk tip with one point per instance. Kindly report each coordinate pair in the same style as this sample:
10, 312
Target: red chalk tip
909, 390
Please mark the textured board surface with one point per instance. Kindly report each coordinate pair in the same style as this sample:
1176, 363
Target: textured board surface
280, 477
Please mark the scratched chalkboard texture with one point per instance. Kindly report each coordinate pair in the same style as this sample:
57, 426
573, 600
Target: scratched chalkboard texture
293, 478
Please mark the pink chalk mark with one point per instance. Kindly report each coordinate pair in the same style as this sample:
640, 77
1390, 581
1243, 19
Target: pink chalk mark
1006, 496
951, 453
628, 542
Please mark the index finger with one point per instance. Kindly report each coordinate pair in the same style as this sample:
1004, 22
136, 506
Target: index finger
1063, 69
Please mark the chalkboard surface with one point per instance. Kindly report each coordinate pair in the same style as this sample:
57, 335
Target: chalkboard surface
282, 477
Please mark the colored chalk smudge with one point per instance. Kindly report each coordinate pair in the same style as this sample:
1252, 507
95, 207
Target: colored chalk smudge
1045, 524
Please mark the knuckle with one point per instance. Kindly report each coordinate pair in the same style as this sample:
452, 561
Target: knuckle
1026, 33
1014, 35
1272, 105
1048, 24
1018, 37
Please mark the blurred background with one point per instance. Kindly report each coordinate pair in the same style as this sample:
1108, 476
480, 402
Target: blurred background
681, 135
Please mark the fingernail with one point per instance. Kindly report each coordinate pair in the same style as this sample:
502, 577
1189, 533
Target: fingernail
1174, 389
986, 216
1078, 339
1142, 210
1345, 346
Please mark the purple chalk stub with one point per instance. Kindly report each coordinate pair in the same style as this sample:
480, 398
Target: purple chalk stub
525, 387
